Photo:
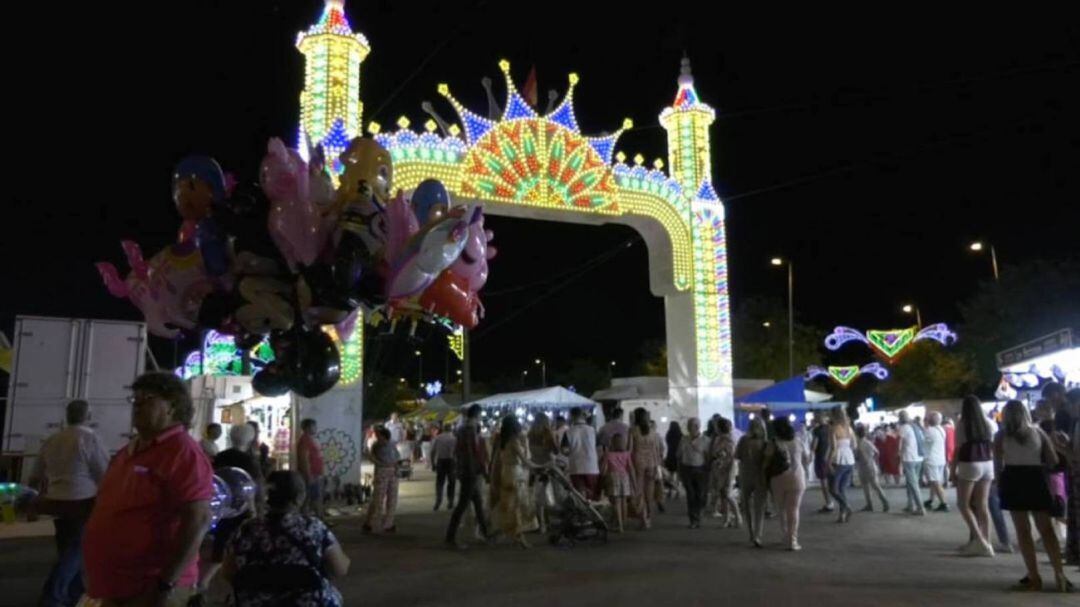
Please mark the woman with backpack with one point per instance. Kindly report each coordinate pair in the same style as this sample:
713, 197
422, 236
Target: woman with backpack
786, 458
286, 558
841, 460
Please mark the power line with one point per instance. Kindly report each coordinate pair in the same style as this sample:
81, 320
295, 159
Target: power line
585, 269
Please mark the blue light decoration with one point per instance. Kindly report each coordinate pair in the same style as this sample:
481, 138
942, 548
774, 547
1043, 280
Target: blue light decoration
939, 333
517, 108
843, 335
433, 389
338, 138
707, 192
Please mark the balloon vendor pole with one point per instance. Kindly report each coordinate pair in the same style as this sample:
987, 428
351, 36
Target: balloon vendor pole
466, 383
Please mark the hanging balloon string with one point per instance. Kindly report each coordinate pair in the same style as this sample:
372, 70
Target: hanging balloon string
589, 266
463, 20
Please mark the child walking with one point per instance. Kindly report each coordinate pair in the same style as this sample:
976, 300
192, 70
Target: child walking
615, 469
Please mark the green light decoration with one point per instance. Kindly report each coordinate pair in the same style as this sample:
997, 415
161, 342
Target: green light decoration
890, 343
844, 375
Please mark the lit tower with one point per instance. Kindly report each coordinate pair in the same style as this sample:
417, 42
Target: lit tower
687, 125
330, 106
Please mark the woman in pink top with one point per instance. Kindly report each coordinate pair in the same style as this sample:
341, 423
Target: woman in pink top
616, 468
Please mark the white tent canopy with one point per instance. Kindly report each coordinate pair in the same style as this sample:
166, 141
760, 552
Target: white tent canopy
555, 397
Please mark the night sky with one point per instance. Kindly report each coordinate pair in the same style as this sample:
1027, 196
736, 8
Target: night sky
870, 147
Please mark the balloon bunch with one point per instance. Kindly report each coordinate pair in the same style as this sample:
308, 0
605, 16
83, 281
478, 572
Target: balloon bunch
286, 257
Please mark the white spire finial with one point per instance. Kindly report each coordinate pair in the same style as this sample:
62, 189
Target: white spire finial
685, 77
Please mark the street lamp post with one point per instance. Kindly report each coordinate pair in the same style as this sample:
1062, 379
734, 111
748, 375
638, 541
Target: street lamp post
611, 373
912, 308
419, 370
543, 372
978, 247
524, 374
777, 261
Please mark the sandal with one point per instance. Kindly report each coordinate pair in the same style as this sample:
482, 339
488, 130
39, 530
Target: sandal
1027, 585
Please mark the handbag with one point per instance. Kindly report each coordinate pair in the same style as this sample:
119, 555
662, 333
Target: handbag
777, 460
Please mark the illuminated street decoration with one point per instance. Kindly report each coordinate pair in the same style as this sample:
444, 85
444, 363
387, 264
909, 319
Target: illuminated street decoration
352, 353
844, 375
220, 356
531, 164
843, 335
330, 106
939, 333
456, 340
890, 343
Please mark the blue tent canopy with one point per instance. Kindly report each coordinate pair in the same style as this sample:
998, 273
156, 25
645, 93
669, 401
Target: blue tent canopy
788, 396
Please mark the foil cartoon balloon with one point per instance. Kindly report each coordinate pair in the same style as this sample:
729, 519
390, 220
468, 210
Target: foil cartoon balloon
361, 230
168, 289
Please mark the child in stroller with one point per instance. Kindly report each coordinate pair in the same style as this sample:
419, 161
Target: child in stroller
576, 518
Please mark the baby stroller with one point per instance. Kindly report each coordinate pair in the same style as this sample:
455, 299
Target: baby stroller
404, 469
576, 520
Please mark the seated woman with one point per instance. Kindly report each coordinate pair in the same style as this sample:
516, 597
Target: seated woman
285, 558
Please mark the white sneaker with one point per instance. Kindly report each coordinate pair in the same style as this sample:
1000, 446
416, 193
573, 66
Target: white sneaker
795, 547
979, 549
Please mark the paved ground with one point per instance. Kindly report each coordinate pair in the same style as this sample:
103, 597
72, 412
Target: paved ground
876, 559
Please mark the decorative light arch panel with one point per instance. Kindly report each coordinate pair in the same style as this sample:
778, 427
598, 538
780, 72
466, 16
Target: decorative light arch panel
544, 161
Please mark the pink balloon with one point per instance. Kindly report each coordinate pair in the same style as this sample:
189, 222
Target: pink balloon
473, 262
168, 289
294, 222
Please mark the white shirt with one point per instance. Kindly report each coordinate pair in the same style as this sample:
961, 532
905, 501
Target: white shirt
935, 446
397, 431
209, 447
694, 451
909, 449
443, 446
72, 461
582, 439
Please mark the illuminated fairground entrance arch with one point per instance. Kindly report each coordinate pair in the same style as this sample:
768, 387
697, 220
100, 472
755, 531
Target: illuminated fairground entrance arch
530, 165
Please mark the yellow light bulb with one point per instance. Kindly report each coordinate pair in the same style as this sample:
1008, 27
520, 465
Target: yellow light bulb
658, 164
430, 126
504, 65
621, 157
638, 159
454, 130
627, 124
443, 89
373, 128
403, 122
573, 78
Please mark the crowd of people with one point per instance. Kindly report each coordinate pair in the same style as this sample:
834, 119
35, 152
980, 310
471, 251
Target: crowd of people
1011, 461
137, 530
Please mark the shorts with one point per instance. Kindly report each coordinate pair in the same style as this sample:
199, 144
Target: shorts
974, 472
935, 473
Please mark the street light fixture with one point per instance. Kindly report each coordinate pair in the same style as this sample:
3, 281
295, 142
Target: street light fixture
766, 324
779, 261
419, 369
913, 309
543, 372
978, 248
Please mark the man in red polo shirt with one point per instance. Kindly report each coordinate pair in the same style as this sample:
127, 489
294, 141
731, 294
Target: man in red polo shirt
153, 506
310, 463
